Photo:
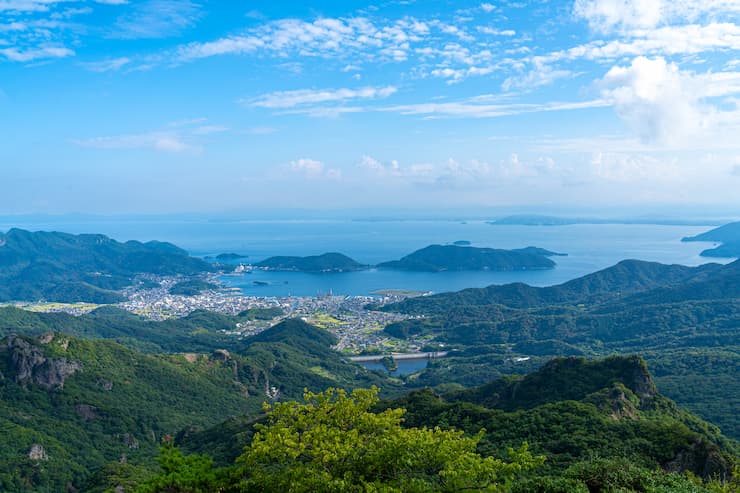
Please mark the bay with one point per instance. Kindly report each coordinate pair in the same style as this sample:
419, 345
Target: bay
590, 247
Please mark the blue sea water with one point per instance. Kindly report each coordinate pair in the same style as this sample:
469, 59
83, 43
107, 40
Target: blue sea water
590, 247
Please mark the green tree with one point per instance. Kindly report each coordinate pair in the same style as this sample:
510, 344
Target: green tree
183, 473
334, 443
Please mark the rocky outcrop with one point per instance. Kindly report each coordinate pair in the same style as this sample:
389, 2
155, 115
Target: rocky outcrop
27, 364
702, 458
105, 384
37, 452
221, 355
130, 441
87, 412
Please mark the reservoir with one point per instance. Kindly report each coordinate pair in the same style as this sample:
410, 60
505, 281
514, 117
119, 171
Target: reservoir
405, 366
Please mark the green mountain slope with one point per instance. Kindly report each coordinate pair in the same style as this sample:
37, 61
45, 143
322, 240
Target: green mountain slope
199, 331
572, 410
628, 276
327, 262
69, 406
667, 313
68, 268
597, 423
436, 258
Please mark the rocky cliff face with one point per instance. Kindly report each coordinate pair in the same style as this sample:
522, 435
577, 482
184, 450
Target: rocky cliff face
27, 364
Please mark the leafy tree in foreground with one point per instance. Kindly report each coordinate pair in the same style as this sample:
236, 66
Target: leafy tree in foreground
183, 473
334, 443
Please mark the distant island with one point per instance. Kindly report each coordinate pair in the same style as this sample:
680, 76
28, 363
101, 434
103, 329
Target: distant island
325, 263
534, 220
230, 256
728, 235
461, 243
434, 258
64, 267
438, 258
543, 220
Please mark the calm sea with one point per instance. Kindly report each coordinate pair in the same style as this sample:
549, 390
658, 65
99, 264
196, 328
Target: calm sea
589, 248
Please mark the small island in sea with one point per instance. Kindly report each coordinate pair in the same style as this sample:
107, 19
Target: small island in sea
230, 256
438, 258
434, 258
728, 235
461, 243
327, 262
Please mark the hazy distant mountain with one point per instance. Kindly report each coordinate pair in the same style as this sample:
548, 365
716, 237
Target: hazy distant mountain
542, 220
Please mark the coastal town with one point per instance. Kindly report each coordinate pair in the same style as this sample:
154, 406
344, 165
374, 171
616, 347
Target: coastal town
359, 329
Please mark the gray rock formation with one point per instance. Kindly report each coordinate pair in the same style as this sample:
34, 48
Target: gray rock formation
130, 441
29, 365
87, 411
37, 452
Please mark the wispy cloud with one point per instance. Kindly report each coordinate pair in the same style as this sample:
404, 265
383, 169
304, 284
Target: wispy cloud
261, 130
156, 19
624, 15
313, 97
27, 5
110, 65
312, 168
210, 129
156, 141
473, 109
324, 37
33, 54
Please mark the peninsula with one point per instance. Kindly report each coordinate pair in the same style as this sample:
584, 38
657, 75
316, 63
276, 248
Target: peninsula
89, 267
728, 235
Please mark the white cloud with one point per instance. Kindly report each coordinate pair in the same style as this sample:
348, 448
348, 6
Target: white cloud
493, 31
209, 130
308, 165
606, 15
671, 40
27, 5
312, 168
110, 65
153, 19
324, 37
658, 101
625, 15
540, 74
471, 108
635, 168
157, 141
32, 54
261, 130
378, 168
350, 39
313, 97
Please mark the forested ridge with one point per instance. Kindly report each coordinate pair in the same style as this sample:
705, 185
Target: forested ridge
532, 388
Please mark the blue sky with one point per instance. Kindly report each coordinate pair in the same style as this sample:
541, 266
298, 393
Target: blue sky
115, 106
